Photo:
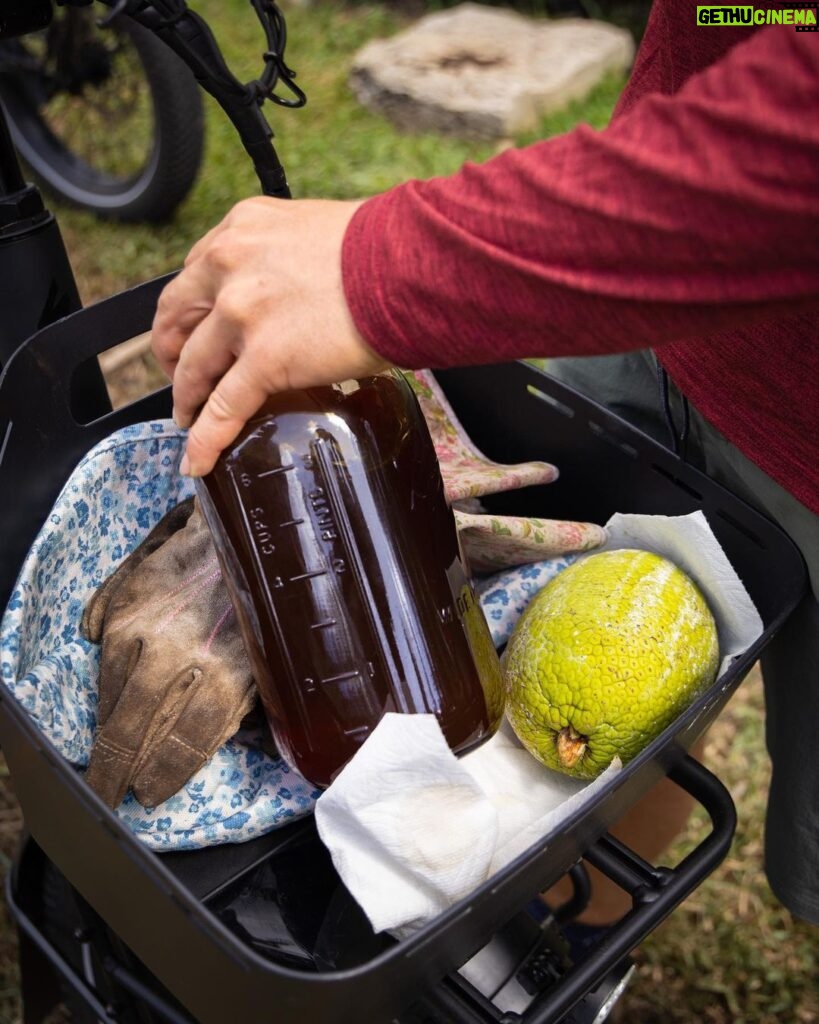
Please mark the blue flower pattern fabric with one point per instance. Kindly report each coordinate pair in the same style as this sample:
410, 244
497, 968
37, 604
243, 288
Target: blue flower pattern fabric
119, 491
116, 495
505, 594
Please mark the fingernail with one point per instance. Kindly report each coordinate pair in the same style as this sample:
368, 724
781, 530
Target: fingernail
180, 421
188, 468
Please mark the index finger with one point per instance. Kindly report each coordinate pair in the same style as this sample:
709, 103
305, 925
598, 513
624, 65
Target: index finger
183, 304
198, 248
236, 397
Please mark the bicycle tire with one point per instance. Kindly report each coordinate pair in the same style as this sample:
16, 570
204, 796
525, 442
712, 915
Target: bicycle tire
154, 191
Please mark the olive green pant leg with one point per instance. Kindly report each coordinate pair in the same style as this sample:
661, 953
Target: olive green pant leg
628, 385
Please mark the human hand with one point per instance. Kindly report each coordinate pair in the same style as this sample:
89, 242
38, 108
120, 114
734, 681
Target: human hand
259, 308
175, 681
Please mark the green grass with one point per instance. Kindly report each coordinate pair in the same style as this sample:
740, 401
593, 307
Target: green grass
730, 954
332, 148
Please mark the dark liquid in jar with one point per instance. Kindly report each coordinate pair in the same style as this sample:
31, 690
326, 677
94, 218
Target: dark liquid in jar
343, 562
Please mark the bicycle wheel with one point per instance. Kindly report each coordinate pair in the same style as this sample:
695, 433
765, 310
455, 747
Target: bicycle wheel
110, 119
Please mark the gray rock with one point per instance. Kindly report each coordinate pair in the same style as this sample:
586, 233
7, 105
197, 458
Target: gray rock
484, 72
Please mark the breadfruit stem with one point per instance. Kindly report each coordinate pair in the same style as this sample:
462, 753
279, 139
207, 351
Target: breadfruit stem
570, 746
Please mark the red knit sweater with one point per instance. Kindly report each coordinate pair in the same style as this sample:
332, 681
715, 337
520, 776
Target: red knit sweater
690, 225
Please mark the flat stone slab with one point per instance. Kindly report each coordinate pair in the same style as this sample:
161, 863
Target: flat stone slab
484, 72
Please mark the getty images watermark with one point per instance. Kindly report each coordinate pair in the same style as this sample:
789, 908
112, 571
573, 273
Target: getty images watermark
803, 16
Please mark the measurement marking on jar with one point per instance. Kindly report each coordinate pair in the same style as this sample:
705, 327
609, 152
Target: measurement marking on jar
278, 469
324, 625
355, 674
308, 575
358, 732
292, 522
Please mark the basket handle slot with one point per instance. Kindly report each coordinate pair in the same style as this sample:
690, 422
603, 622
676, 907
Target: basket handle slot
681, 484
556, 404
37, 378
746, 531
607, 435
37, 425
655, 892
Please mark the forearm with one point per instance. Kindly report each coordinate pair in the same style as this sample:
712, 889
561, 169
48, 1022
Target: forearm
693, 214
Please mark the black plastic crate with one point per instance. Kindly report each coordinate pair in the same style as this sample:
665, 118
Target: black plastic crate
167, 908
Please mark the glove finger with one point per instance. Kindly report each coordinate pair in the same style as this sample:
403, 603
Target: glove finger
96, 608
109, 771
497, 542
118, 663
209, 715
473, 479
466, 471
139, 712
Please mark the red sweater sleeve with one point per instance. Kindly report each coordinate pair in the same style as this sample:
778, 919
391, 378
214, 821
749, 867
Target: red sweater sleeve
691, 214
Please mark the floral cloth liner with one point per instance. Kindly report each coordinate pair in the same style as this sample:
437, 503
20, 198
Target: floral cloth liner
505, 594
116, 495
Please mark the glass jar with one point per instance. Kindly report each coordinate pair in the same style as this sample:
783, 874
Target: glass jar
342, 558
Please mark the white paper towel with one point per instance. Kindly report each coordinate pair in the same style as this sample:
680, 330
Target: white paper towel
412, 829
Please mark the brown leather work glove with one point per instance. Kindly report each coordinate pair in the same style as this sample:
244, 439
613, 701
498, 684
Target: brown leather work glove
175, 681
